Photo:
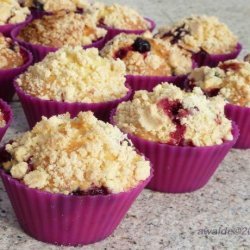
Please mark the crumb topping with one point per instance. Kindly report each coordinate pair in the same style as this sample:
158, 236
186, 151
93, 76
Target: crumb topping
10, 54
145, 55
198, 33
63, 155
119, 17
63, 28
231, 80
75, 75
2, 120
173, 116
12, 12
55, 5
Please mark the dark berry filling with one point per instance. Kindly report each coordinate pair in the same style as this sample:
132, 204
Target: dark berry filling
176, 34
175, 111
122, 53
38, 5
93, 191
141, 45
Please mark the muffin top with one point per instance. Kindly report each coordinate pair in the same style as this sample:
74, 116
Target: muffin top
172, 116
81, 155
119, 17
10, 54
12, 12
231, 80
62, 28
55, 5
145, 55
2, 120
75, 75
198, 33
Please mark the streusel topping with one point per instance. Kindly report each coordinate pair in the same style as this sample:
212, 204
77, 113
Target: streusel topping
198, 33
63, 28
63, 155
231, 80
75, 75
12, 12
10, 55
119, 17
2, 120
144, 55
55, 5
173, 116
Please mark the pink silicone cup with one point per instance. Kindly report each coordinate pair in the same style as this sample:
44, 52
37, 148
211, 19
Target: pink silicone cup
7, 28
204, 59
8, 116
181, 169
34, 107
241, 116
40, 51
7, 90
68, 220
112, 32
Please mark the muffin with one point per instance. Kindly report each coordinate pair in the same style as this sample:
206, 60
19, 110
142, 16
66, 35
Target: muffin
51, 32
148, 60
72, 80
120, 19
184, 134
77, 170
13, 61
231, 80
205, 36
12, 14
54, 5
5, 118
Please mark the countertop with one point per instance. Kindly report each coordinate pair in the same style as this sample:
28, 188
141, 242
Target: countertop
168, 221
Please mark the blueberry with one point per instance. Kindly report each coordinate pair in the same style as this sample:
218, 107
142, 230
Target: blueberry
38, 5
141, 45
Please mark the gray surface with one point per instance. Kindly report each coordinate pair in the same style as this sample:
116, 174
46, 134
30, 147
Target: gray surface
160, 221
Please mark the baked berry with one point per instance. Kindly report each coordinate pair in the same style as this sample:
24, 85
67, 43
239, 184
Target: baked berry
141, 45
38, 5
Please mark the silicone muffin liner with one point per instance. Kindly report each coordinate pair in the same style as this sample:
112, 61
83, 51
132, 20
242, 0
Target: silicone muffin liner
112, 32
7, 76
40, 51
7, 28
68, 219
138, 82
241, 116
34, 107
8, 116
204, 59
181, 169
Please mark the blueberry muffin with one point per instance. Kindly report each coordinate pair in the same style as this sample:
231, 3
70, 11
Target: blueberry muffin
200, 33
75, 75
231, 80
12, 12
2, 119
145, 55
62, 28
172, 116
54, 5
79, 156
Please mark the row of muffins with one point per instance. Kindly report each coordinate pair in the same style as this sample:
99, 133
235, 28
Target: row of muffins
40, 158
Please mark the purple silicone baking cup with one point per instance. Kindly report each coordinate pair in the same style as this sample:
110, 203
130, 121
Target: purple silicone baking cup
7, 28
34, 107
241, 116
112, 32
204, 59
181, 169
68, 219
39, 51
7, 76
8, 116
